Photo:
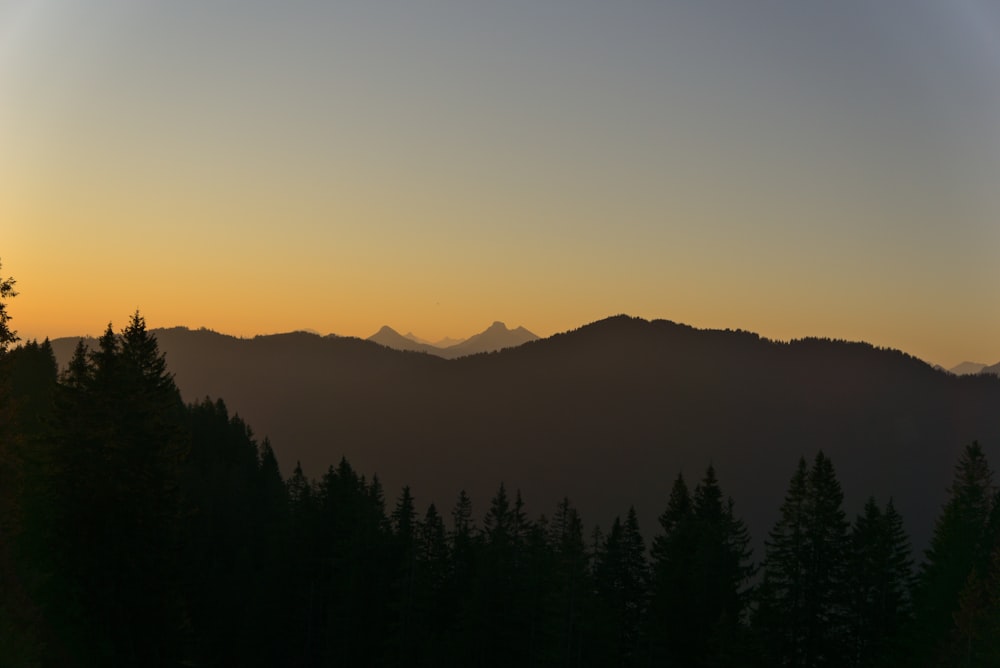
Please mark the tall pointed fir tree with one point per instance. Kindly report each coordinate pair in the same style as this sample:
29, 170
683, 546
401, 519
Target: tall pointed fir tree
701, 571
504, 532
880, 579
801, 604
622, 583
404, 524
571, 585
961, 545
121, 443
465, 590
672, 554
7, 335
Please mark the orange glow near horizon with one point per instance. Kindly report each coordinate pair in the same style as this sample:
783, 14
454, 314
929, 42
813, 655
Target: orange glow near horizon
439, 170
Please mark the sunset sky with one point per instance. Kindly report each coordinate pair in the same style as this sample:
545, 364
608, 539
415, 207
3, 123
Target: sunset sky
789, 167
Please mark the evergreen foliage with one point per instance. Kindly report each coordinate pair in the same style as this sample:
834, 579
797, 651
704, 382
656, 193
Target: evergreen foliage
7, 335
137, 530
949, 598
880, 579
802, 613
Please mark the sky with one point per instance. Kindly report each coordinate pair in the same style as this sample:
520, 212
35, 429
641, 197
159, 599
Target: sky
793, 168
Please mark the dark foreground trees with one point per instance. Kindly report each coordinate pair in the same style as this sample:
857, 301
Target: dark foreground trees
802, 614
957, 607
140, 531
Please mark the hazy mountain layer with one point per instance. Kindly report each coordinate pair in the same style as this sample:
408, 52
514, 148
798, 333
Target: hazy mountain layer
495, 337
966, 368
608, 414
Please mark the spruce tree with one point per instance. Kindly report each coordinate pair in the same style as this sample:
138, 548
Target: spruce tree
571, 585
7, 335
961, 545
622, 580
801, 605
404, 524
673, 553
700, 569
721, 576
880, 579
120, 445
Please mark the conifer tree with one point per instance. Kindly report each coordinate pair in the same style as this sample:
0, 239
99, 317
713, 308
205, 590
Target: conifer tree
465, 591
120, 445
701, 569
802, 609
404, 523
880, 579
7, 335
503, 569
622, 583
961, 545
571, 584
673, 552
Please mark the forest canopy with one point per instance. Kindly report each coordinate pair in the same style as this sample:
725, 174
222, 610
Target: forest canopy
139, 530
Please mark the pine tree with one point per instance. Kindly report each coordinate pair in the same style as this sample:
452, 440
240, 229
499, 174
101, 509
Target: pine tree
722, 573
404, 522
880, 578
430, 604
571, 585
28, 385
622, 578
504, 532
465, 591
960, 546
801, 606
976, 641
701, 570
120, 446
7, 335
673, 553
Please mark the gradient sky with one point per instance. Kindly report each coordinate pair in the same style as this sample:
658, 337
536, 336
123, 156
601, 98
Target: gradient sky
793, 168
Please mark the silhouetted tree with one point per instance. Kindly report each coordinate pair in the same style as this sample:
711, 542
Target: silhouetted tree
117, 456
802, 604
502, 570
7, 335
404, 524
960, 547
27, 393
701, 571
622, 578
880, 579
571, 586
673, 553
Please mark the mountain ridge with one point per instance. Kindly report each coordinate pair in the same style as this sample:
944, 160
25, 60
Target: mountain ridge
607, 414
495, 337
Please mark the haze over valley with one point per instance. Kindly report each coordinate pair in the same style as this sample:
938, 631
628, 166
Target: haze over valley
607, 414
364, 399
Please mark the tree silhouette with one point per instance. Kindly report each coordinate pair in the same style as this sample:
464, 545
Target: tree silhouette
622, 578
802, 606
880, 579
7, 335
961, 546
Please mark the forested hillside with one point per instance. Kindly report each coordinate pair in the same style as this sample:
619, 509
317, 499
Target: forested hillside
138, 530
608, 414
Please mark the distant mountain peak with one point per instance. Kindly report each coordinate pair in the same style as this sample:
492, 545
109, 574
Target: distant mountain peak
968, 368
413, 337
495, 337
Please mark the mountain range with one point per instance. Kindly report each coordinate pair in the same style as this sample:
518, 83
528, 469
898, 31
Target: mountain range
608, 414
496, 337
967, 368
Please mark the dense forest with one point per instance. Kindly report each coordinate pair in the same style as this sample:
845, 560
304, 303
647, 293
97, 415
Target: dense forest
137, 530
607, 414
